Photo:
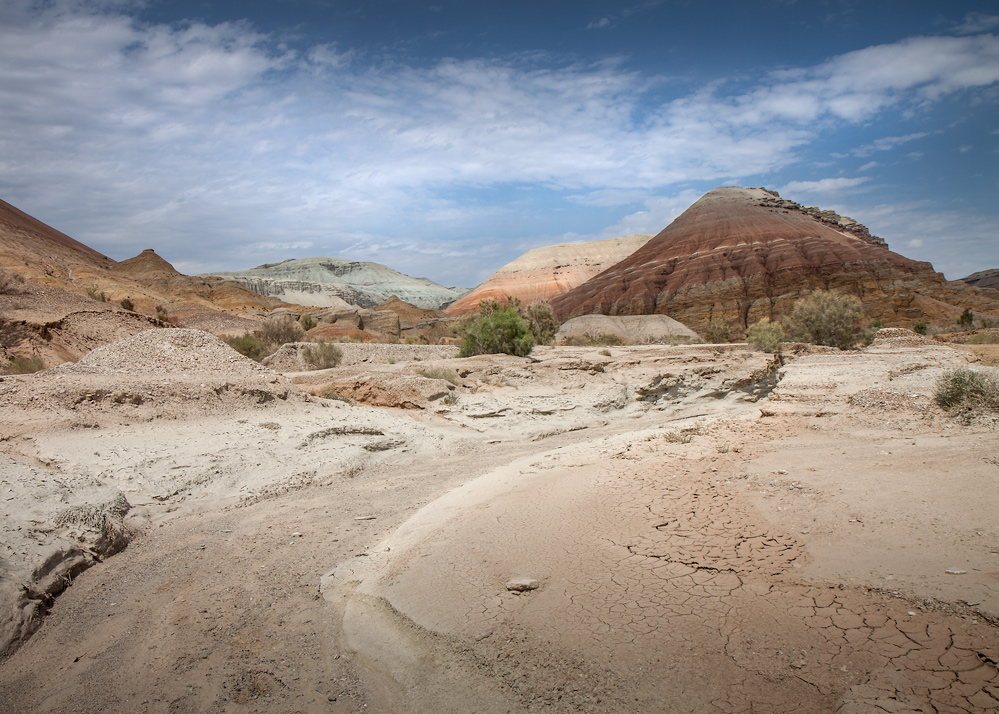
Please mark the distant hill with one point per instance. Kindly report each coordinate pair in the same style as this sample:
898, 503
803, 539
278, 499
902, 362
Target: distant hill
742, 254
331, 282
984, 279
547, 272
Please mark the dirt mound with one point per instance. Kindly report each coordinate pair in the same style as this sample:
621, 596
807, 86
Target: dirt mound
146, 266
891, 337
633, 329
742, 254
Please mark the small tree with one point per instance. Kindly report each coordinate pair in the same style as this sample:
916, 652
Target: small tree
765, 335
966, 320
127, 304
718, 331
824, 318
541, 322
497, 329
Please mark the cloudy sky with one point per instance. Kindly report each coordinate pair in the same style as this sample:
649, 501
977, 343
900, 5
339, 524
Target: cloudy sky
446, 138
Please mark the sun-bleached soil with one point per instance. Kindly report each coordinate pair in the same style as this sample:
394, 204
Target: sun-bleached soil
655, 529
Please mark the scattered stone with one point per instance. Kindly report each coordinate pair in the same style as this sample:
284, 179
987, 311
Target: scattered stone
521, 585
365, 518
955, 571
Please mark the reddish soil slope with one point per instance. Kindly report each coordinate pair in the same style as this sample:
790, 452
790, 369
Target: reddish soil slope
741, 254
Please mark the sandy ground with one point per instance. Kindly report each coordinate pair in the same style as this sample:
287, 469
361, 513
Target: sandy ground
655, 529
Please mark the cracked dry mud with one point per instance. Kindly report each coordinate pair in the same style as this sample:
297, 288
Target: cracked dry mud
697, 551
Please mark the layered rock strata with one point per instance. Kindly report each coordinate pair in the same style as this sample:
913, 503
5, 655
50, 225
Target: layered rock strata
742, 254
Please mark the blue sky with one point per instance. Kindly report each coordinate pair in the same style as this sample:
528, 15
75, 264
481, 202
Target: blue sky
446, 138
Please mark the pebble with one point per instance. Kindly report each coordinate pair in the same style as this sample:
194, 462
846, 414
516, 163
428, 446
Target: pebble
955, 571
521, 585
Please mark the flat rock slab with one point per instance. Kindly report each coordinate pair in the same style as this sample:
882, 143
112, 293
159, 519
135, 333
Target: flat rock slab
521, 585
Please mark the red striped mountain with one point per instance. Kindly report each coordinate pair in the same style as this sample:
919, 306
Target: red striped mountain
741, 254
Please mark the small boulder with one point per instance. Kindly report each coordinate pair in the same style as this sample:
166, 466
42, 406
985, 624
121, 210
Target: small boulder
521, 585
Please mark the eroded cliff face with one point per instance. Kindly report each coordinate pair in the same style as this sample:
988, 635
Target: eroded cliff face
547, 272
741, 254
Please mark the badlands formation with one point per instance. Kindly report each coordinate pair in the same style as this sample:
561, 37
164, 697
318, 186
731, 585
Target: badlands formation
686, 529
742, 254
545, 273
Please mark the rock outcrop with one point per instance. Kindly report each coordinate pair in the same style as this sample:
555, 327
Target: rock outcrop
741, 254
335, 282
545, 273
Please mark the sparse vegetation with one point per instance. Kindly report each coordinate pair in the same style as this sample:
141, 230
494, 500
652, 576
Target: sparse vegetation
307, 322
94, 294
322, 355
718, 332
919, 328
588, 340
605, 352
329, 392
161, 314
127, 304
249, 345
498, 328
25, 365
10, 283
983, 338
966, 320
281, 331
765, 335
682, 436
541, 322
825, 318
964, 392
445, 373
451, 398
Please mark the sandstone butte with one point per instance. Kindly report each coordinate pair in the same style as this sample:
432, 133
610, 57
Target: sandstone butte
547, 272
742, 254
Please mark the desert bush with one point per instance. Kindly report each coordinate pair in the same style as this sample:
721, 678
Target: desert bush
825, 318
127, 304
919, 328
497, 329
451, 398
966, 391
307, 322
281, 331
588, 340
605, 352
249, 346
541, 322
161, 314
322, 355
966, 320
718, 331
445, 373
765, 335
94, 294
25, 365
10, 282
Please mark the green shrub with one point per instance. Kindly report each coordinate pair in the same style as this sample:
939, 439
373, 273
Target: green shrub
322, 355
307, 322
588, 340
249, 346
765, 335
824, 318
497, 329
966, 320
966, 390
718, 331
451, 398
281, 331
919, 328
541, 322
10, 282
94, 294
127, 304
25, 365
445, 373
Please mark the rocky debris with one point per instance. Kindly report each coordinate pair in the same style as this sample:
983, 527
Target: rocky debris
844, 223
632, 329
733, 256
325, 282
544, 273
894, 337
288, 357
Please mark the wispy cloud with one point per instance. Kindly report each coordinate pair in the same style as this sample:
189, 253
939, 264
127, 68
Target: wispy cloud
886, 144
824, 186
977, 22
199, 138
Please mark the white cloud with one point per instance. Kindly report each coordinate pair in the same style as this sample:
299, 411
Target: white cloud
601, 24
825, 186
977, 22
887, 143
